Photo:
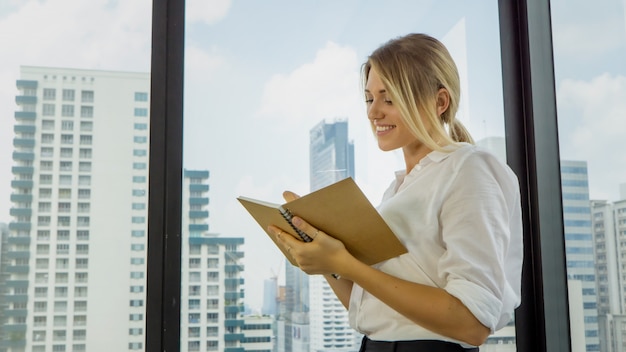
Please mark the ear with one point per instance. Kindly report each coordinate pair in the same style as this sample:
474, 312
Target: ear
443, 101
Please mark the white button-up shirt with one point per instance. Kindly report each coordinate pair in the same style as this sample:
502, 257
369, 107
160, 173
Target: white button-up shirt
459, 215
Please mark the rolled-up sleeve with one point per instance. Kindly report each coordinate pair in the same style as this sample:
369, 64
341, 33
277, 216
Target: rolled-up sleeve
481, 236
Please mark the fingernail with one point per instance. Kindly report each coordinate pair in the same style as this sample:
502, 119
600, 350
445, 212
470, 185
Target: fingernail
297, 221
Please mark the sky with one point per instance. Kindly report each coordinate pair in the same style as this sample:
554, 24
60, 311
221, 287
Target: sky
260, 75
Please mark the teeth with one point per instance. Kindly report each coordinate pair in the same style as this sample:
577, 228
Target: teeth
384, 128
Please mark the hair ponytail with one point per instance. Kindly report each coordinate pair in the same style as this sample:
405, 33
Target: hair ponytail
459, 133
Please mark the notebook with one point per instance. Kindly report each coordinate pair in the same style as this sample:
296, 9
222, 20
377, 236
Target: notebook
340, 210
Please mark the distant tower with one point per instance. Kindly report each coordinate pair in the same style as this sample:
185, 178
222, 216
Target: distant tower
579, 244
270, 296
316, 320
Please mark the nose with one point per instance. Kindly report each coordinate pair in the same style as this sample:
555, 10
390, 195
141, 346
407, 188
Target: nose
373, 111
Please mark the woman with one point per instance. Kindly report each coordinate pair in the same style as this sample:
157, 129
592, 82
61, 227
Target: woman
455, 207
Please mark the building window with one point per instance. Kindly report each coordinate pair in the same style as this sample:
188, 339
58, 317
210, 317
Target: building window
138, 233
47, 110
136, 317
67, 125
65, 166
84, 194
85, 153
47, 125
82, 235
139, 179
141, 112
141, 126
136, 261
47, 138
140, 139
140, 152
86, 126
82, 263
45, 179
85, 140
136, 275
63, 248
66, 152
86, 111
136, 289
47, 152
84, 166
67, 110
65, 180
139, 206
65, 207
138, 219
49, 94
136, 303
63, 235
139, 192
141, 96
67, 139
68, 95
137, 247
86, 96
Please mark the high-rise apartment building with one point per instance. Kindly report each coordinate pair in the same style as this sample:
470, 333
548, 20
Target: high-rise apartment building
75, 256
316, 320
609, 231
579, 246
212, 278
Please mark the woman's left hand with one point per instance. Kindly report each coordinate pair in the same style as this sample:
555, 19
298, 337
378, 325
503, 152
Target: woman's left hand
324, 255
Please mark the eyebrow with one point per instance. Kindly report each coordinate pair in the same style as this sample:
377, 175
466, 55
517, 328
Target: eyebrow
380, 91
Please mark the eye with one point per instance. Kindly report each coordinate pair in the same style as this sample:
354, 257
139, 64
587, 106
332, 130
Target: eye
369, 100
388, 102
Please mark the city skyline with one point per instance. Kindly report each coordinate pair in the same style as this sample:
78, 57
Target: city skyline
281, 79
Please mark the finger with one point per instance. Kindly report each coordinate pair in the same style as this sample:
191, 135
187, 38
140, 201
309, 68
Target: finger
304, 226
282, 236
289, 196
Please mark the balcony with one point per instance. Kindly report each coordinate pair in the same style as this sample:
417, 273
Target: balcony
232, 295
23, 142
233, 337
198, 214
24, 129
22, 184
21, 198
14, 327
25, 83
14, 342
18, 254
16, 299
17, 269
21, 212
198, 227
15, 312
22, 170
23, 156
234, 281
229, 323
25, 115
198, 188
19, 226
19, 240
233, 309
17, 283
25, 99
233, 268
198, 201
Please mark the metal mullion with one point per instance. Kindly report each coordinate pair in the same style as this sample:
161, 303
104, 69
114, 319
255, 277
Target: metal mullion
542, 321
164, 211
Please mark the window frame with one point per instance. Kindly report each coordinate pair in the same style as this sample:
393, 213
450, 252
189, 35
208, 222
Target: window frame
542, 321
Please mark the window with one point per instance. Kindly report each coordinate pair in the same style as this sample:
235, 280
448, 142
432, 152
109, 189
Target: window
86, 126
85, 140
68, 95
140, 152
141, 96
139, 166
67, 110
138, 233
67, 139
47, 110
86, 111
84, 166
140, 139
47, 125
84, 153
47, 152
67, 125
66, 152
65, 179
141, 126
65, 166
139, 179
141, 112
86, 96
47, 138
49, 94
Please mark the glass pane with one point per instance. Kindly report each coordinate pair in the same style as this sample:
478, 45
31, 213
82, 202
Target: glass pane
269, 89
75, 82
590, 70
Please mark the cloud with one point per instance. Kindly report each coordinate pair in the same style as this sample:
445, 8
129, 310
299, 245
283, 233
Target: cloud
207, 11
325, 88
592, 121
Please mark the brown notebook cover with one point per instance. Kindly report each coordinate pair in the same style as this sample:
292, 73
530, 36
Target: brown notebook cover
340, 210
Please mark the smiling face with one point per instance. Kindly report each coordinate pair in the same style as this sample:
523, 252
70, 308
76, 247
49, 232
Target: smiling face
387, 123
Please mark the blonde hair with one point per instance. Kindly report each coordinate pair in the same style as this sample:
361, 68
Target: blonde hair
413, 69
